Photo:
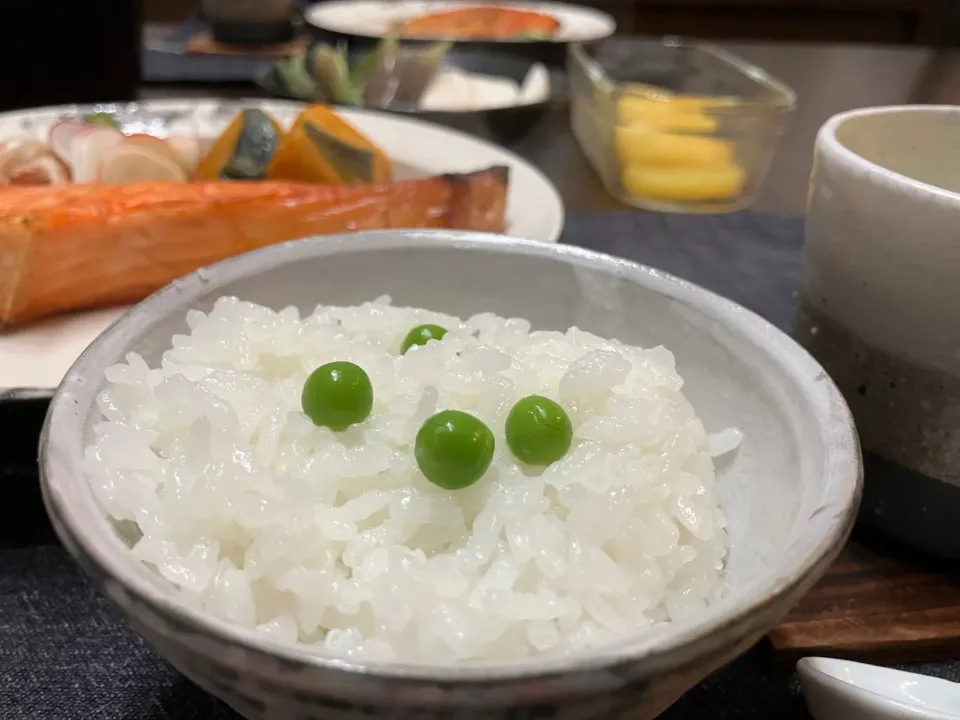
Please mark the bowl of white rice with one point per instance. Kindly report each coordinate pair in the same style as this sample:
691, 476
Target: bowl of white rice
591, 487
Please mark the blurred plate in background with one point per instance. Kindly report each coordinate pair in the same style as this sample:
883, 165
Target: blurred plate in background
361, 22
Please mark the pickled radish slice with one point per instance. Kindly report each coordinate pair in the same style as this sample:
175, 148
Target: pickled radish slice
16, 154
44, 170
62, 134
684, 184
88, 150
31, 162
189, 149
129, 163
153, 144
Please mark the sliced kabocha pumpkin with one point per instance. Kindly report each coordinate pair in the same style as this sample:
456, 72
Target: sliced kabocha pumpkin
322, 147
244, 150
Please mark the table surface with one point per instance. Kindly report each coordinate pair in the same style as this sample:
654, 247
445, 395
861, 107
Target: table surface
828, 79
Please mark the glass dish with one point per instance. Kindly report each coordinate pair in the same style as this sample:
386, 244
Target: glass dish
675, 126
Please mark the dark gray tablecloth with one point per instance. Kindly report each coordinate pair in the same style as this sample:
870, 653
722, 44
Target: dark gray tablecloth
65, 654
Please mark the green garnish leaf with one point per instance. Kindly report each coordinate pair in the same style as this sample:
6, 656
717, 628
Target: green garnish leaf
437, 51
332, 73
365, 66
394, 75
296, 78
102, 118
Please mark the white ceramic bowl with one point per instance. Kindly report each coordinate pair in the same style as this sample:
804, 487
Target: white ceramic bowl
791, 493
844, 690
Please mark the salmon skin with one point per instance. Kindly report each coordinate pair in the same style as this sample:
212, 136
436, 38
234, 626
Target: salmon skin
72, 247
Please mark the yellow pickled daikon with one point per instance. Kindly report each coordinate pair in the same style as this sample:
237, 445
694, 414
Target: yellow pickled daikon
635, 110
683, 184
665, 150
638, 144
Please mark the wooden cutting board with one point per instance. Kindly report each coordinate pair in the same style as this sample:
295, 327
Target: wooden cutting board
880, 603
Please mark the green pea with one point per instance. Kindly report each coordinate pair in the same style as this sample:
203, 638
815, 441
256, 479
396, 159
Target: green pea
538, 430
421, 335
337, 395
454, 449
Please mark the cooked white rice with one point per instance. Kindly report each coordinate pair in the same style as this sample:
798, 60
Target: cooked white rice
336, 540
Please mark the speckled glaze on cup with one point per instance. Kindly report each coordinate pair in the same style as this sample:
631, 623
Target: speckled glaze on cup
790, 494
880, 307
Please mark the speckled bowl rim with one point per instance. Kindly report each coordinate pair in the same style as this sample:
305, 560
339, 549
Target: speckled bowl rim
827, 141
86, 531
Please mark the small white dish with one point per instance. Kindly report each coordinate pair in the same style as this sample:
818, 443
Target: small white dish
844, 690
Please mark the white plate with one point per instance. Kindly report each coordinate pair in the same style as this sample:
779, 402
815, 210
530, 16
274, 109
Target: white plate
372, 18
36, 357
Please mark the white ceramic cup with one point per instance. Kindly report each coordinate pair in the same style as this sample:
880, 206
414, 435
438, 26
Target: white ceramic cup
880, 306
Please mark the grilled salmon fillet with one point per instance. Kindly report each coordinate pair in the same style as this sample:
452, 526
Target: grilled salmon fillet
71, 247
481, 23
